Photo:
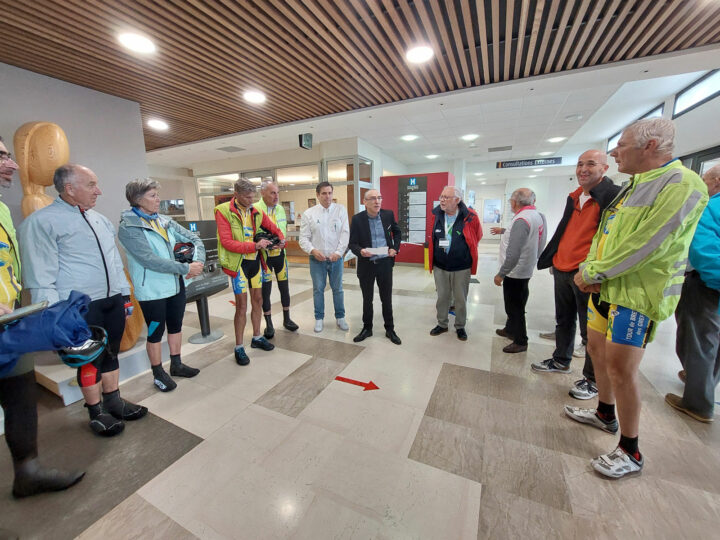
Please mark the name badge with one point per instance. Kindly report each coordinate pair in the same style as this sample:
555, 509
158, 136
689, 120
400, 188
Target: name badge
443, 243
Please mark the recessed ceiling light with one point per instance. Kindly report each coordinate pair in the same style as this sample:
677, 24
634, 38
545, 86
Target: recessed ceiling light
538, 170
556, 139
483, 182
573, 117
532, 175
409, 137
431, 156
470, 137
419, 54
254, 96
157, 125
479, 174
136, 43
544, 153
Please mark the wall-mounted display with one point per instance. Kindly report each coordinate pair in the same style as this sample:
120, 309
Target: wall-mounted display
492, 210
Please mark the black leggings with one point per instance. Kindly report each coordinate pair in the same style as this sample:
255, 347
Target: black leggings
166, 311
109, 313
276, 265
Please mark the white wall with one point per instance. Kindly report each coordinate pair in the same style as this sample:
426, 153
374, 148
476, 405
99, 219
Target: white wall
298, 156
383, 165
177, 183
104, 132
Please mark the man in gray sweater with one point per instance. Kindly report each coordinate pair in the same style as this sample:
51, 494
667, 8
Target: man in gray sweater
520, 246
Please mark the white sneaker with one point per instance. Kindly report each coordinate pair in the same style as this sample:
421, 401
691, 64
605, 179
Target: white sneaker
342, 325
617, 464
318, 325
579, 352
590, 417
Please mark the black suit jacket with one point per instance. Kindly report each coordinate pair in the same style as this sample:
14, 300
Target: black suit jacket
360, 237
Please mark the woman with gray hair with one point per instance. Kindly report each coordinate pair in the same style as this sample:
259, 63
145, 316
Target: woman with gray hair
157, 274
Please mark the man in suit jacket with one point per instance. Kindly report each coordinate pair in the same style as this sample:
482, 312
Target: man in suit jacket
375, 228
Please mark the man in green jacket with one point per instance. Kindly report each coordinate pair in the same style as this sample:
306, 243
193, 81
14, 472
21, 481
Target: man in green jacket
276, 259
635, 270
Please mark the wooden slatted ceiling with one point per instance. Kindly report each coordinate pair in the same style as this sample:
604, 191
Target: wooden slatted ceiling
319, 57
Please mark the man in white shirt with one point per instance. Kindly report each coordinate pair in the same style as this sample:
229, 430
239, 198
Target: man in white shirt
324, 235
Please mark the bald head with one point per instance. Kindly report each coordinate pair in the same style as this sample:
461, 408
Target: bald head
712, 179
590, 169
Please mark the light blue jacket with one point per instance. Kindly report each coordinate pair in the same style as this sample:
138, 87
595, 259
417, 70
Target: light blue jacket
705, 247
151, 261
64, 251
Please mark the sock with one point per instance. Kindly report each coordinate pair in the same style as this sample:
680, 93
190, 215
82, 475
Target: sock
175, 360
268, 320
257, 337
286, 314
630, 445
606, 411
239, 348
157, 370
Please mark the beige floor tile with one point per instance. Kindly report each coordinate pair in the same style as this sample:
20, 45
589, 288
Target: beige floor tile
326, 518
135, 519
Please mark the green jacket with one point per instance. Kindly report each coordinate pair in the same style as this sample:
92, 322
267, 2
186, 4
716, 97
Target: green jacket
644, 256
280, 217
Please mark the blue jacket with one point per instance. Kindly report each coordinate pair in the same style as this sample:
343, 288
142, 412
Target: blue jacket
151, 261
705, 247
66, 250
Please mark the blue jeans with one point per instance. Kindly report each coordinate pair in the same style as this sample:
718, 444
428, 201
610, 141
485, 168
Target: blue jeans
319, 272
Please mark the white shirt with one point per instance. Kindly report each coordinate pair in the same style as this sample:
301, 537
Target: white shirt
325, 229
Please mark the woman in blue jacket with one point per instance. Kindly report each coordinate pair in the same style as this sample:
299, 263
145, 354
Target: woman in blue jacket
159, 280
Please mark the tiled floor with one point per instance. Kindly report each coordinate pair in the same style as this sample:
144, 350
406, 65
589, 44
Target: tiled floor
460, 441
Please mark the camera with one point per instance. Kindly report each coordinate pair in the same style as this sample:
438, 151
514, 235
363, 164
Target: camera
262, 234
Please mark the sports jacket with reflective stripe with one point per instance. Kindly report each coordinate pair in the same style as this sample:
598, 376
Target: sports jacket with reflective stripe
645, 251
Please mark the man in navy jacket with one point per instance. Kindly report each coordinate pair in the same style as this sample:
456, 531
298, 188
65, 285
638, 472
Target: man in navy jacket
375, 229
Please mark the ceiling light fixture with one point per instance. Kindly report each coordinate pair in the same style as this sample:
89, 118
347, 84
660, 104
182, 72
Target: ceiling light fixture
483, 182
419, 54
254, 96
409, 138
470, 137
136, 43
556, 139
573, 117
479, 174
538, 170
157, 125
432, 156
532, 175
544, 153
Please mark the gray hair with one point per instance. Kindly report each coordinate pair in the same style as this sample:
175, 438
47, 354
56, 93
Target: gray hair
244, 186
660, 129
523, 196
265, 183
136, 189
64, 174
457, 192
713, 173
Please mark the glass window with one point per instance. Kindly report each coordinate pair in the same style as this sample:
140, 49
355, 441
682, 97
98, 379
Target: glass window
340, 170
657, 112
703, 89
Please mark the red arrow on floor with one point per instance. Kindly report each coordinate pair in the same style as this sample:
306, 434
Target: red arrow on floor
366, 385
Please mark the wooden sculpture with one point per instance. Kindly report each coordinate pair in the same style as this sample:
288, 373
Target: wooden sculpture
40, 148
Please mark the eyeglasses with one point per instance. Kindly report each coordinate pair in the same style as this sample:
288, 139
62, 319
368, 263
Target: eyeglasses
373, 199
5, 156
445, 198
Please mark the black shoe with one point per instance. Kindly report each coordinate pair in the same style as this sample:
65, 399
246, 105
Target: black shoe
261, 343
181, 370
290, 325
503, 333
461, 334
269, 328
31, 479
438, 330
241, 356
102, 422
121, 409
514, 348
364, 333
162, 380
392, 336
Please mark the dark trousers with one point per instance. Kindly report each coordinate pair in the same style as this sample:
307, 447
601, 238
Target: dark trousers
368, 273
698, 343
515, 294
570, 306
